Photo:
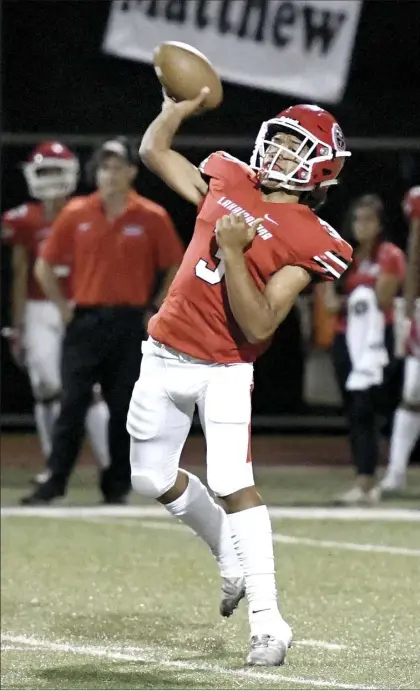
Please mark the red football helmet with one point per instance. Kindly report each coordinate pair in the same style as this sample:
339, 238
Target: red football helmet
51, 171
319, 156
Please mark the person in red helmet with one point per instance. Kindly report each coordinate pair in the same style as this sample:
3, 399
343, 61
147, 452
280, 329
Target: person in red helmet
256, 245
51, 173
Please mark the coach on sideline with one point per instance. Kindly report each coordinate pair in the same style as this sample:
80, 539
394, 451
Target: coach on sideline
124, 253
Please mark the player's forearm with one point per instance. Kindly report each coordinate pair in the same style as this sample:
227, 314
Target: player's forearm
19, 296
157, 139
249, 306
19, 285
173, 168
333, 302
412, 282
49, 283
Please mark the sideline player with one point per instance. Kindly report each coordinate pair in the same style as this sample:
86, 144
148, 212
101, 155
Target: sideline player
51, 174
255, 247
406, 429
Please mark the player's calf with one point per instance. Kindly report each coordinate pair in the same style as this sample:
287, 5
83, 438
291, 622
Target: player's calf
252, 538
185, 497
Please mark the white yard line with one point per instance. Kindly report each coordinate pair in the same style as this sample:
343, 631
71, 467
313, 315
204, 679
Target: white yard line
325, 645
299, 513
94, 514
146, 657
286, 539
349, 546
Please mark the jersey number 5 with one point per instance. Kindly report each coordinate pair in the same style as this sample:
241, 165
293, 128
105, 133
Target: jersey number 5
212, 276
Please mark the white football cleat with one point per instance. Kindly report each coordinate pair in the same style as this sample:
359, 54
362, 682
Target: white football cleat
269, 650
233, 590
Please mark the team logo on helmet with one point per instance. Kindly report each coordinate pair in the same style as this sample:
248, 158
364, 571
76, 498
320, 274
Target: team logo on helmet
338, 138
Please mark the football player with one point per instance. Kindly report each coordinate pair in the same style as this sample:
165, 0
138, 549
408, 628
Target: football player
51, 174
406, 429
256, 246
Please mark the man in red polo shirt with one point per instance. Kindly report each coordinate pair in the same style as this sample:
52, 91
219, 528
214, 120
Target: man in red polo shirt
119, 244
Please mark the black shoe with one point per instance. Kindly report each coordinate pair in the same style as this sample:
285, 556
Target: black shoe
44, 493
120, 499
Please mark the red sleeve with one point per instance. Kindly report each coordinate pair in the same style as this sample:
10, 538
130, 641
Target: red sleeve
392, 260
211, 166
411, 203
223, 166
326, 255
13, 226
58, 247
168, 245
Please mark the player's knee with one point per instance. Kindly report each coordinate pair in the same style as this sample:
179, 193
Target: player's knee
149, 477
411, 403
411, 397
149, 483
45, 387
46, 392
228, 480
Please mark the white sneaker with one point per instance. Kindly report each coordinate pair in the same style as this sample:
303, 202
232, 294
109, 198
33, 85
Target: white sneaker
353, 497
392, 483
268, 650
373, 497
233, 590
356, 496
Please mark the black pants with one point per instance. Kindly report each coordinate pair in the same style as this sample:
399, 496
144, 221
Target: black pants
102, 345
362, 408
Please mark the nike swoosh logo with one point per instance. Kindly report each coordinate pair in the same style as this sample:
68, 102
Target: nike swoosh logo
267, 218
256, 611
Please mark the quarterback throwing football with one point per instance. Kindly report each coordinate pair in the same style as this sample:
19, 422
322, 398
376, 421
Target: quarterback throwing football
256, 245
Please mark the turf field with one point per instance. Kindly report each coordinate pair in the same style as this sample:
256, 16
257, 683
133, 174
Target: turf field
124, 597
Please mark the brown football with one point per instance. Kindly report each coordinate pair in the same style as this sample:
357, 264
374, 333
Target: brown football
183, 71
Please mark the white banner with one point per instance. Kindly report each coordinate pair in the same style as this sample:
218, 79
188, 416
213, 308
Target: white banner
298, 47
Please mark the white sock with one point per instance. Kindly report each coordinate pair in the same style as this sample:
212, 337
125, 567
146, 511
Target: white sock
96, 423
405, 433
44, 426
252, 537
196, 508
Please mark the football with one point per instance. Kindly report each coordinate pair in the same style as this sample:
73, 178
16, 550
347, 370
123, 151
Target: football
183, 71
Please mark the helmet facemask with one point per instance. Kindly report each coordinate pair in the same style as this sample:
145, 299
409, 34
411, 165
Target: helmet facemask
51, 178
273, 155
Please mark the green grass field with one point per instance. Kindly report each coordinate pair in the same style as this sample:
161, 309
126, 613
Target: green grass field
127, 598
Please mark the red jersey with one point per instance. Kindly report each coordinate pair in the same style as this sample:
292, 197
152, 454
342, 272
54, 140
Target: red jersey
196, 318
26, 225
388, 259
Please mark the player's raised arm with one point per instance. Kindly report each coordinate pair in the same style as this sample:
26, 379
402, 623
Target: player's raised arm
156, 152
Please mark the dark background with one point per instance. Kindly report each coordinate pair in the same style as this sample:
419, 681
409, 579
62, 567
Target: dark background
57, 80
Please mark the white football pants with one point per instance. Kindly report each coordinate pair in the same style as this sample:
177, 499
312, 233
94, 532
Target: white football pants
161, 412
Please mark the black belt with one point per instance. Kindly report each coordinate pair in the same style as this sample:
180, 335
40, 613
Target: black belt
107, 310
